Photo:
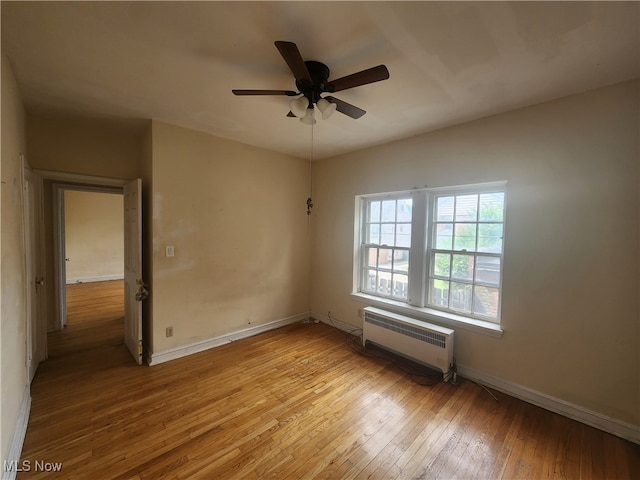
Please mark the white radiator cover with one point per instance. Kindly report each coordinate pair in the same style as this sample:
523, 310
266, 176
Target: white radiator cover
423, 342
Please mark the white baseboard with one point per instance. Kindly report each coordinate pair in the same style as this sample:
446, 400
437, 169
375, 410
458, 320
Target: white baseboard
183, 351
589, 417
100, 278
576, 412
597, 420
17, 441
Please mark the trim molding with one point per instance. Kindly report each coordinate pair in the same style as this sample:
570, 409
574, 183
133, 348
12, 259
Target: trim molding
78, 178
183, 351
15, 449
575, 412
101, 278
444, 319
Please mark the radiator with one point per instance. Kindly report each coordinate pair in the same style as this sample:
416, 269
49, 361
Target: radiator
423, 342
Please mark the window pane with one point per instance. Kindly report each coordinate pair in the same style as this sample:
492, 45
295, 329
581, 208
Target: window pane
374, 211
444, 236
384, 283
370, 280
488, 270
388, 236
401, 261
400, 284
389, 211
403, 235
444, 209
485, 301
373, 233
490, 237
405, 206
462, 267
388, 225
371, 257
465, 237
439, 293
466, 208
442, 264
385, 258
460, 297
492, 206
464, 241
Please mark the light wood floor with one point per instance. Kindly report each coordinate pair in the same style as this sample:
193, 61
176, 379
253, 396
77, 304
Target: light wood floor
292, 403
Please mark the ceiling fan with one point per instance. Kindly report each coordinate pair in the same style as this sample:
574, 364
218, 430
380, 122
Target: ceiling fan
312, 80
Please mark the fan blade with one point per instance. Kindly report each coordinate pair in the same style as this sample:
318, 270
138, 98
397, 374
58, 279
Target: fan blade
289, 93
346, 108
371, 75
291, 55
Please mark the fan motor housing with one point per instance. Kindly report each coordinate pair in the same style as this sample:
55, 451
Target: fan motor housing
320, 75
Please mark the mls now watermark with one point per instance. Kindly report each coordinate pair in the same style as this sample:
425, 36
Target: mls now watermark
29, 466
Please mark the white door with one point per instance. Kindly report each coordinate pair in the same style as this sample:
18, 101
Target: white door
35, 329
134, 290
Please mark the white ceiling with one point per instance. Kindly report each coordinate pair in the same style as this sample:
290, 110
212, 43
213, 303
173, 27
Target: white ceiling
177, 62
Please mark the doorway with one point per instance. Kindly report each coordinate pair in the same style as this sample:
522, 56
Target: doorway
89, 239
93, 236
130, 220
93, 251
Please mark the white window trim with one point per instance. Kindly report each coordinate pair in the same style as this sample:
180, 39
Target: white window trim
363, 226
431, 315
416, 306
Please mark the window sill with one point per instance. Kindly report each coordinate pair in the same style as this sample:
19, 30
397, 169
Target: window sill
430, 315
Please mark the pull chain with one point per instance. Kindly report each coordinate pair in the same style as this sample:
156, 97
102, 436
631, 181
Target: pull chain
309, 200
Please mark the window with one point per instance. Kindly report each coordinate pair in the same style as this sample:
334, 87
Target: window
385, 252
466, 253
439, 249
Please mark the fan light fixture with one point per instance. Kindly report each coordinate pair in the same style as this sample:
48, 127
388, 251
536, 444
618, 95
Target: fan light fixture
298, 106
326, 108
302, 108
312, 80
308, 117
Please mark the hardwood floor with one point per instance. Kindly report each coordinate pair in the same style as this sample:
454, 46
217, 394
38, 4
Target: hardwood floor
296, 402
95, 314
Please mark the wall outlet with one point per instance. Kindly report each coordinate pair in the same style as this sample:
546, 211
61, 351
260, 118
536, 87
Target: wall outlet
169, 331
169, 251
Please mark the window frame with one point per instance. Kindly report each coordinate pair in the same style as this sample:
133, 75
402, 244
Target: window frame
420, 257
432, 223
365, 245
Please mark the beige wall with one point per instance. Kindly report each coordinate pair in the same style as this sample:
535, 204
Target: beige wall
84, 146
79, 146
236, 216
13, 307
94, 236
570, 306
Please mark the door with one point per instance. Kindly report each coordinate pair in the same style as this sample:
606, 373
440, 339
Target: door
35, 327
134, 290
